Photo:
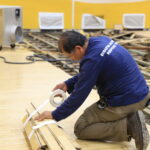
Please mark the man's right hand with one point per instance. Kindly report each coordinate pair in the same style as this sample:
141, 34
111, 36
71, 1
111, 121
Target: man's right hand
61, 86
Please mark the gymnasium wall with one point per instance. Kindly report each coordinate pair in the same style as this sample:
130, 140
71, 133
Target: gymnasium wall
112, 13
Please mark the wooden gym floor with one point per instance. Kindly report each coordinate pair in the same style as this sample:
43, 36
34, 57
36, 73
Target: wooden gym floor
22, 84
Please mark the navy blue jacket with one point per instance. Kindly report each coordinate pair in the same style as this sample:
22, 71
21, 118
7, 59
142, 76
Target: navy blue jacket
112, 69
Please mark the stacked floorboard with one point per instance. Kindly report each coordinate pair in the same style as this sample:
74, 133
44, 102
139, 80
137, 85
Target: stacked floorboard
46, 135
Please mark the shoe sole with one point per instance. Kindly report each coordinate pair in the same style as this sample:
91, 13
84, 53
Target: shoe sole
145, 133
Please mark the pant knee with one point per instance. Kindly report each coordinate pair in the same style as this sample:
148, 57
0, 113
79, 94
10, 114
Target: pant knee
79, 134
84, 121
79, 127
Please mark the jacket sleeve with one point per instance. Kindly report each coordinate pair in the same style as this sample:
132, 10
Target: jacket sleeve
87, 78
71, 83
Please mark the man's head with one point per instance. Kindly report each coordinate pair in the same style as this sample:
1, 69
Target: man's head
73, 44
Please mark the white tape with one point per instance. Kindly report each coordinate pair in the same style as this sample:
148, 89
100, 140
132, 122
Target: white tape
55, 93
44, 123
34, 113
52, 102
40, 125
30, 135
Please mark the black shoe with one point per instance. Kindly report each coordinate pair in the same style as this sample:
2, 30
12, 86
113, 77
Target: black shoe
136, 128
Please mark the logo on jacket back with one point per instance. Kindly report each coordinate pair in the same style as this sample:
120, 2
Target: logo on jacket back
109, 48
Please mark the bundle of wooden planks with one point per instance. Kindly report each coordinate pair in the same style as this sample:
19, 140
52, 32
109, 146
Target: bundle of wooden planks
46, 135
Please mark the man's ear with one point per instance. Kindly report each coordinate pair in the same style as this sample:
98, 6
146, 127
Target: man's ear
79, 48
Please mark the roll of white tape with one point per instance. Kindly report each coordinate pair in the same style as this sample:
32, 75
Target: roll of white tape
52, 102
54, 94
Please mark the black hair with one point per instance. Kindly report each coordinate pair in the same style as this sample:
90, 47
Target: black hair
70, 39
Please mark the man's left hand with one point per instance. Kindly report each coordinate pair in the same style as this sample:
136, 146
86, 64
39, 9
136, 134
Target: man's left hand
44, 115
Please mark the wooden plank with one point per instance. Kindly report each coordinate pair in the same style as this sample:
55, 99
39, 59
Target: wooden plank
61, 137
147, 111
35, 141
48, 138
143, 33
137, 47
142, 62
51, 36
122, 42
36, 37
145, 73
121, 35
137, 52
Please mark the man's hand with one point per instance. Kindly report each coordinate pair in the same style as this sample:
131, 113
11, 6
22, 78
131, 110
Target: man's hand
61, 86
44, 115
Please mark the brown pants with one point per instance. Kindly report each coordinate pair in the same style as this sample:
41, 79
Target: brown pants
108, 124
